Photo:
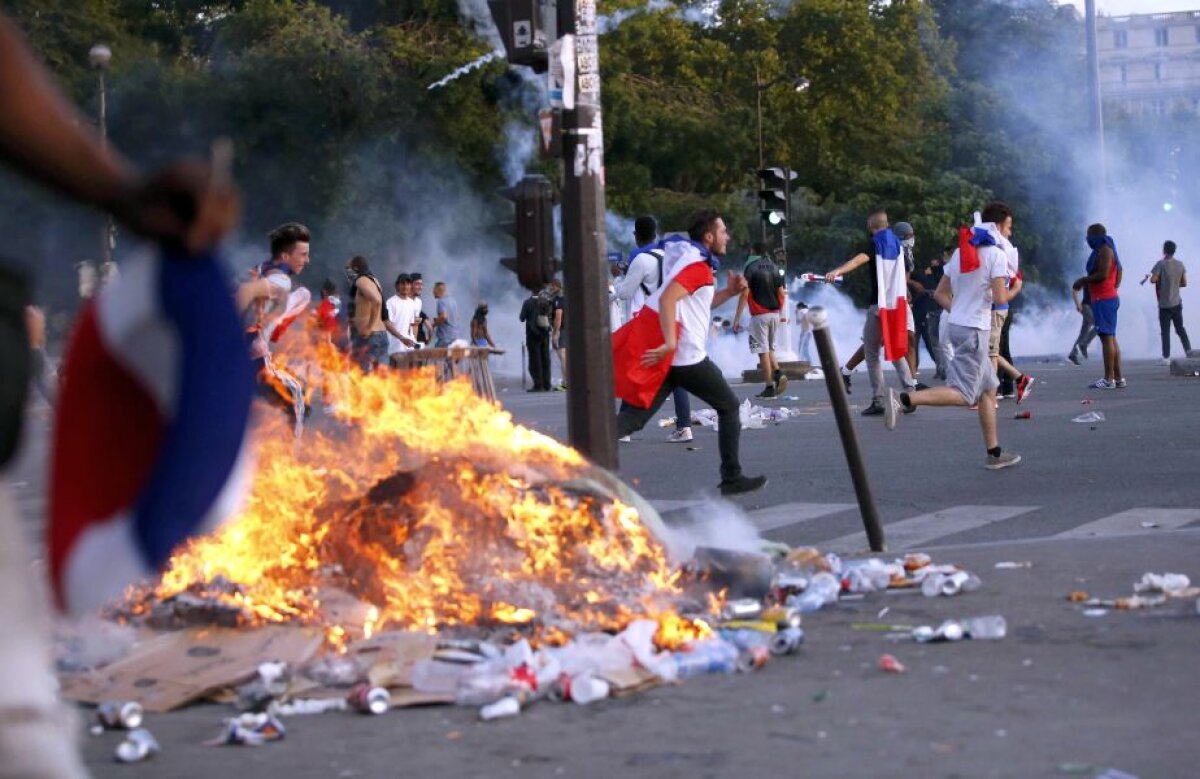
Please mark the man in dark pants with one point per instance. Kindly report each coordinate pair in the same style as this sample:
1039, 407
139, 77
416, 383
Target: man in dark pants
535, 313
681, 310
1168, 276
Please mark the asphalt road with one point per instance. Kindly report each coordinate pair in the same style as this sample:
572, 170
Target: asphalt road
1092, 506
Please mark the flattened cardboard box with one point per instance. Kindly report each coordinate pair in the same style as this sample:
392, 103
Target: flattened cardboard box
173, 669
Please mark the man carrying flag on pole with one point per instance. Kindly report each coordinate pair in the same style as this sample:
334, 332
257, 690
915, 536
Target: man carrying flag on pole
886, 326
664, 346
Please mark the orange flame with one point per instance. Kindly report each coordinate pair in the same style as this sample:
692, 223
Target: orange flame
429, 505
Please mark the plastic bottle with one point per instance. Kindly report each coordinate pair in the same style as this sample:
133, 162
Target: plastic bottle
505, 707
588, 689
706, 657
482, 689
822, 589
990, 627
435, 676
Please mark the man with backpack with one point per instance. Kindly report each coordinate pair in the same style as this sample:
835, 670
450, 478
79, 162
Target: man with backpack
536, 313
641, 280
765, 296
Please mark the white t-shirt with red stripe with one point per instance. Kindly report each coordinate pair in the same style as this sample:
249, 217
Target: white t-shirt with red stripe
694, 313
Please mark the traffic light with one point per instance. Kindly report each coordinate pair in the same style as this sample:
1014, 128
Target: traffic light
526, 27
776, 195
533, 227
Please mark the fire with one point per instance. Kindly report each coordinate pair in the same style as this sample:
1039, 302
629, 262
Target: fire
433, 510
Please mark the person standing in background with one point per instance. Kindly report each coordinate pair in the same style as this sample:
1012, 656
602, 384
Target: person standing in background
1168, 276
1102, 281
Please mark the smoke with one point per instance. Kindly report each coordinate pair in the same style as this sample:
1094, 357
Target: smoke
714, 523
465, 69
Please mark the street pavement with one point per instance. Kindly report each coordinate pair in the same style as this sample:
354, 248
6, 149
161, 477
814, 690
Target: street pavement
1091, 506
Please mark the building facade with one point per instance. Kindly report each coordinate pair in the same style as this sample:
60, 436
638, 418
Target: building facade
1150, 63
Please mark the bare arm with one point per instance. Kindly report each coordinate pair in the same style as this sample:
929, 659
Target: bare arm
251, 291
741, 307
943, 294
852, 264
1103, 265
667, 305
735, 285
1183, 279
1001, 293
1075, 299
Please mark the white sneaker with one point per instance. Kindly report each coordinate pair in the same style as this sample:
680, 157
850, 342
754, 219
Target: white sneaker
891, 408
1121, 383
681, 436
625, 439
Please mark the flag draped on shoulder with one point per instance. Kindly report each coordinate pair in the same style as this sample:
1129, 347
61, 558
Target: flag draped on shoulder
893, 294
150, 435
637, 384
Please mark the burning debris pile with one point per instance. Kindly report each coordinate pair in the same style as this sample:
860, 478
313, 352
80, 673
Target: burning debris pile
432, 510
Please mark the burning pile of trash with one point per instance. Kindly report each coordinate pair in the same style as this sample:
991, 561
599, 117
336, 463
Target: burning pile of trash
424, 549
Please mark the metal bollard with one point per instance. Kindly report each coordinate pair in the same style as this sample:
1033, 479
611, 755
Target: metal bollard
524, 363
841, 412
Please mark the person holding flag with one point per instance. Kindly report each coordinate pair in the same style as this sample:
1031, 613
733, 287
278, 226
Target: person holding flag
976, 277
886, 325
152, 417
664, 346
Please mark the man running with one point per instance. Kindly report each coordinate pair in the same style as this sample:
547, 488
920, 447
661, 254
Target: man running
967, 290
665, 345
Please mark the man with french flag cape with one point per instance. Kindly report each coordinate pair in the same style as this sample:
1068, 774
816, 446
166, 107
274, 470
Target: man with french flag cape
886, 326
664, 346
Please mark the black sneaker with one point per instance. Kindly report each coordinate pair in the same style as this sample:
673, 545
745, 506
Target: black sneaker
919, 386
742, 484
846, 381
769, 392
873, 410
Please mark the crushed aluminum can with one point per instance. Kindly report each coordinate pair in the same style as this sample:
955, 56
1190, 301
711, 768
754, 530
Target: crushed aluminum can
891, 664
366, 699
120, 715
250, 730
753, 658
742, 608
138, 745
786, 642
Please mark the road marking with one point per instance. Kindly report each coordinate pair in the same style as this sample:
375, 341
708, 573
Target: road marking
788, 514
920, 530
1129, 522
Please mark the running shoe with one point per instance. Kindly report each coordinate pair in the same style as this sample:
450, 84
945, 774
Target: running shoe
891, 408
873, 410
1121, 383
846, 381
1024, 384
1003, 460
742, 484
1103, 384
767, 393
681, 436
1075, 355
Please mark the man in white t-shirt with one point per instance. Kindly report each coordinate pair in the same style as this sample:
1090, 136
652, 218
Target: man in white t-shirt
680, 310
969, 288
402, 310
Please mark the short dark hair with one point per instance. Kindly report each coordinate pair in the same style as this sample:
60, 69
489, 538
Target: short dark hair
702, 222
995, 212
877, 218
1169, 248
359, 265
403, 278
1097, 231
414, 277
287, 235
645, 228
328, 287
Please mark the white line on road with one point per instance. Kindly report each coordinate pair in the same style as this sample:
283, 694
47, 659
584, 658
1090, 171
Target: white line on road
1130, 522
919, 531
788, 514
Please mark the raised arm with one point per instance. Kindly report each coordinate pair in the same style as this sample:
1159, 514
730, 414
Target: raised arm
850, 265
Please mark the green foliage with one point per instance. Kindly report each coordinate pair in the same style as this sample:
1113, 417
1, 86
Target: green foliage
927, 107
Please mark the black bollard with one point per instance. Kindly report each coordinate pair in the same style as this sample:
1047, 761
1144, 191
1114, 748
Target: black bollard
841, 412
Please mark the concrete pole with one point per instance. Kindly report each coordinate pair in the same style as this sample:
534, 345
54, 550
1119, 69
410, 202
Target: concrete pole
1096, 124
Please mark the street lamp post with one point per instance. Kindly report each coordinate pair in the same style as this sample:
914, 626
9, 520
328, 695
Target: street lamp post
99, 56
799, 83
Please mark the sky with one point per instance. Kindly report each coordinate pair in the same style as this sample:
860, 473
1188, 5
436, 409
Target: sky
1122, 7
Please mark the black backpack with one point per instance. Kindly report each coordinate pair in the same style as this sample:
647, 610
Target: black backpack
658, 255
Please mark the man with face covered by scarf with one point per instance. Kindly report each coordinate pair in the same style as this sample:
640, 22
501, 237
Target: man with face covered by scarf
1102, 280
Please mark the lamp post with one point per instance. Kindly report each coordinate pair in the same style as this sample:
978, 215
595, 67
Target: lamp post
99, 56
799, 83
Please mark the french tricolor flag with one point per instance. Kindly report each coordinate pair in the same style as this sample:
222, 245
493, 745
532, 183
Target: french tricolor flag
150, 435
893, 294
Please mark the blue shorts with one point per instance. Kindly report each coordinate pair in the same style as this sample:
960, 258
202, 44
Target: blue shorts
1105, 313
